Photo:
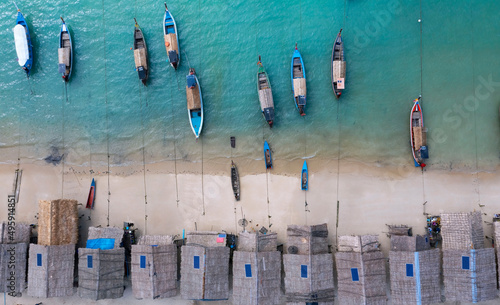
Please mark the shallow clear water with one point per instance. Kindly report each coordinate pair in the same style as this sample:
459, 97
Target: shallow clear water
104, 108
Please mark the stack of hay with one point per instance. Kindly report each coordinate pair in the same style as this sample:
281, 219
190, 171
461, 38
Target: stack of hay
51, 261
308, 266
154, 267
360, 270
256, 270
415, 270
101, 265
468, 268
13, 253
205, 266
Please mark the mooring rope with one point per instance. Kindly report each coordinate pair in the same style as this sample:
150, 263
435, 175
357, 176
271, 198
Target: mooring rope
175, 147
107, 107
267, 181
424, 202
202, 185
65, 98
477, 181
144, 157
339, 144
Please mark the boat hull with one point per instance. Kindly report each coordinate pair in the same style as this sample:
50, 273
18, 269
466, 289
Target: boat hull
268, 159
338, 71
141, 56
265, 95
195, 107
91, 197
65, 42
304, 185
171, 41
235, 181
417, 135
24, 48
298, 75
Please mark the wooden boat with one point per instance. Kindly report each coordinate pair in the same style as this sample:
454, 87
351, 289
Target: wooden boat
417, 135
267, 156
304, 177
22, 38
171, 39
299, 81
338, 65
194, 102
265, 94
140, 54
65, 52
235, 181
91, 198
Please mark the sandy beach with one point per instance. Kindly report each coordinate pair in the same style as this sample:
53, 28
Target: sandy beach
158, 201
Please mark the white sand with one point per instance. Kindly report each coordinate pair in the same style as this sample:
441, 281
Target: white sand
370, 196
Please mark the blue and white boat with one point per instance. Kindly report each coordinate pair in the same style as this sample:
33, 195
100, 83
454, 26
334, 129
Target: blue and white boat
22, 39
304, 177
194, 102
267, 156
65, 52
299, 81
171, 39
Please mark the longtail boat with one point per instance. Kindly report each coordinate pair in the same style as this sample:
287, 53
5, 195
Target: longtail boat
140, 54
267, 156
299, 81
22, 38
65, 52
171, 37
194, 102
418, 137
265, 94
91, 198
338, 66
304, 177
235, 181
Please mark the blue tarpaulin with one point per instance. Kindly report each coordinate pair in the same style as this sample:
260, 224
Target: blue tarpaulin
101, 243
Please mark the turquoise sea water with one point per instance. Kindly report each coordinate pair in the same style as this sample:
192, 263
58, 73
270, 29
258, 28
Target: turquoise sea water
451, 58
